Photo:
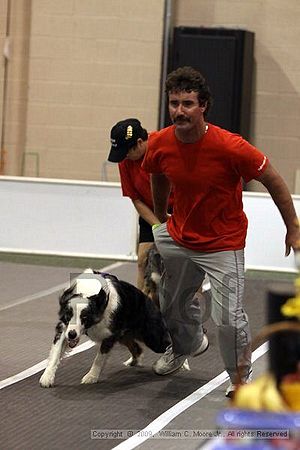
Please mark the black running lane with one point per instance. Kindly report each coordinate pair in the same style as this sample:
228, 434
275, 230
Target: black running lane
61, 418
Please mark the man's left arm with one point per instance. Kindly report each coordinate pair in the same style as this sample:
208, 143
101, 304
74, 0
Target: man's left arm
283, 200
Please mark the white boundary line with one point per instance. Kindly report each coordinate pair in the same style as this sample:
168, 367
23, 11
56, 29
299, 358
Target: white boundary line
161, 421
31, 297
41, 366
49, 291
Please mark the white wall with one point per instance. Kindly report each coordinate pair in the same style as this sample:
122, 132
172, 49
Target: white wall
66, 218
265, 245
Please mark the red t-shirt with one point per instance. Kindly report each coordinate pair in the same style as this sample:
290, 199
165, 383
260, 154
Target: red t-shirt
207, 184
135, 181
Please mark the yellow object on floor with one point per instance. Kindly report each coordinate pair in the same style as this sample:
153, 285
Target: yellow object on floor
260, 395
291, 394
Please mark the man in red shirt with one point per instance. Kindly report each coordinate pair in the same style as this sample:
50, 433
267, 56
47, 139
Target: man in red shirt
207, 230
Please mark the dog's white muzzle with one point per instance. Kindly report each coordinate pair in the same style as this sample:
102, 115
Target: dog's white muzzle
75, 328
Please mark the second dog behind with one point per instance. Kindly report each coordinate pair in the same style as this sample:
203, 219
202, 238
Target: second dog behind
153, 273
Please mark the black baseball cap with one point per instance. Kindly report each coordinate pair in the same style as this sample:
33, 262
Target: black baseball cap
123, 137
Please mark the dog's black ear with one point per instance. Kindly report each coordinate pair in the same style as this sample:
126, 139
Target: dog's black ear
65, 311
92, 314
98, 302
66, 295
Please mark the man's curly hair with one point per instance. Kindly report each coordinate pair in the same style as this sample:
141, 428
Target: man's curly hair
189, 79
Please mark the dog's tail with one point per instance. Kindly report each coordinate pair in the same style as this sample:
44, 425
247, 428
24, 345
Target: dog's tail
155, 332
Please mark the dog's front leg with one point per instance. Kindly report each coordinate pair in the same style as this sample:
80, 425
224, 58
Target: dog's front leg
56, 351
98, 364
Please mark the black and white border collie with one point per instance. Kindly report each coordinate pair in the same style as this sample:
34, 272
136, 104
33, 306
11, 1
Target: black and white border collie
107, 310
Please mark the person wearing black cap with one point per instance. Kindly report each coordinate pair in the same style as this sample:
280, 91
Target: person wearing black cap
128, 146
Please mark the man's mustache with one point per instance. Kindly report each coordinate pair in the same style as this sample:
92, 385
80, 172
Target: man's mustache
181, 119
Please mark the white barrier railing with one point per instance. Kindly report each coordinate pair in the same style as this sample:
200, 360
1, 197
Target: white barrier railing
92, 219
61, 217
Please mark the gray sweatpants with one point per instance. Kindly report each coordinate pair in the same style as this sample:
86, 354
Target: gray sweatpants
185, 315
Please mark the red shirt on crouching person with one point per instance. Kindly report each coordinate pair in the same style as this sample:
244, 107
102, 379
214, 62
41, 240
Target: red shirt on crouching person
129, 142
